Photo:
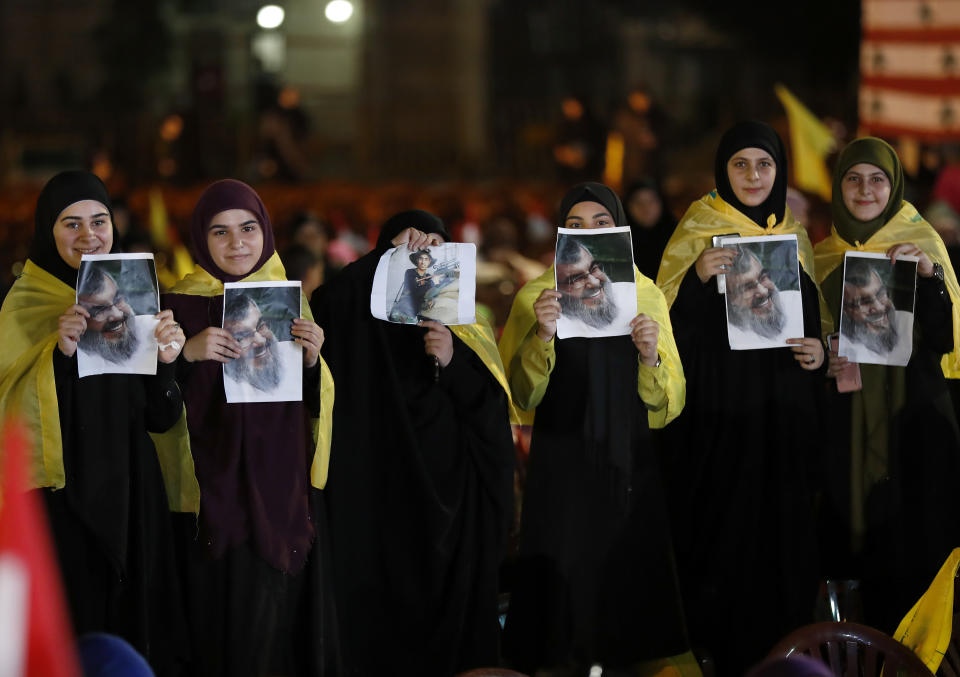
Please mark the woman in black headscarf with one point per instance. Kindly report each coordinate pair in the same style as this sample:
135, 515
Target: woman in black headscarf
594, 581
257, 568
741, 456
93, 457
421, 483
651, 224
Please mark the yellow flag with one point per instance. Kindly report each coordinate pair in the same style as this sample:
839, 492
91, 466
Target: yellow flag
176, 262
811, 141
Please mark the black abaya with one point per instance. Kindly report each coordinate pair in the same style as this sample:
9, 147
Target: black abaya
420, 491
742, 458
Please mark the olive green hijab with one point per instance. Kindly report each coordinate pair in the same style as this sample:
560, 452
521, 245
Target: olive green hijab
880, 154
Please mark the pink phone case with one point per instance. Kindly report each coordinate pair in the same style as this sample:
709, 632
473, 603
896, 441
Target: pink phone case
848, 378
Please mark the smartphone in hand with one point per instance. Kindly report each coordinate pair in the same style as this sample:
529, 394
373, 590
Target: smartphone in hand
848, 377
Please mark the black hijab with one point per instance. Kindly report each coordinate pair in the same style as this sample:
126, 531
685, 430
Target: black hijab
753, 135
413, 218
63, 190
593, 192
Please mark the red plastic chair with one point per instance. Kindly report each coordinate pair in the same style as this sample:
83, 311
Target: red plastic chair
852, 650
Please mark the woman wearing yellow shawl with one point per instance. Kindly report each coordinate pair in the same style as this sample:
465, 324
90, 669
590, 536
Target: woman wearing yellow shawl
254, 585
594, 580
895, 455
93, 459
740, 455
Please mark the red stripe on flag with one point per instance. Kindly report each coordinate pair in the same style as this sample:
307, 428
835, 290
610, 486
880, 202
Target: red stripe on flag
919, 35
928, 86
921, 134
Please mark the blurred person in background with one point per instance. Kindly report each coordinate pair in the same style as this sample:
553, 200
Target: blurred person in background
580, 143
642, 125
651, 224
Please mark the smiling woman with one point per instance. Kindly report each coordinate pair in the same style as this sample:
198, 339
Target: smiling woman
262, 534
94, 461
740, 450
893, 444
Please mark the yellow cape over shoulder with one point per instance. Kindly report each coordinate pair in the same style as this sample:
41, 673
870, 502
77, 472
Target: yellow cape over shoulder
712, 215
650, 301
479, 338
28, 324
202, 283
906, 226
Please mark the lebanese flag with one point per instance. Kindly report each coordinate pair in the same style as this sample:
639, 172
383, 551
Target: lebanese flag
910, 69
35, 635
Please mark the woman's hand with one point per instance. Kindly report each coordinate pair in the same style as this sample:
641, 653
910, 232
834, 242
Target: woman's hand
924, 264
415, 239
644, 331
808, 352
70, 326
547, 310
714, 261
170, 337
835, 364
213, 343
438, 341
310, 336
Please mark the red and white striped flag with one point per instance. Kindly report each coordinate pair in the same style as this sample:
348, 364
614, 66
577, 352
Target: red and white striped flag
35, 637
910, 69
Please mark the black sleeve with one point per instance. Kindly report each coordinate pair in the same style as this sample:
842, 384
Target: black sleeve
811, 306
64, 370
311, 389
934, 315
164, 401
467, 383
698, 314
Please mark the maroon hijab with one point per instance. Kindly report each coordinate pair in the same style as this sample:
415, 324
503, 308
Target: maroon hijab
252, 459
218, 197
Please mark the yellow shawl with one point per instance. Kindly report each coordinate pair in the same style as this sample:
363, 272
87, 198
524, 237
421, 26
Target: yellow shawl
650, 301
202, 283
712, 215
927, 628
906, 226
479, 338
28, 325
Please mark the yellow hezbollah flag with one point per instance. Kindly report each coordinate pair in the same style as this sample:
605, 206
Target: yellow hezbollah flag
810, 142
165, 239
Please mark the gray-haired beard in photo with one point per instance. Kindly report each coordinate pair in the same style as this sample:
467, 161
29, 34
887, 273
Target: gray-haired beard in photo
265, 377
879, 342
116, 351
597, 317
767, 326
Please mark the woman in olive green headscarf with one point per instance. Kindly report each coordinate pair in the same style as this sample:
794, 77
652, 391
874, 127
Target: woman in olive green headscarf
890, 505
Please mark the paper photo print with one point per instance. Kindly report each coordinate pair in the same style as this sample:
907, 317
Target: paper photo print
876, 315
259, 315
764, 306
594, 275
121, 294
434, 283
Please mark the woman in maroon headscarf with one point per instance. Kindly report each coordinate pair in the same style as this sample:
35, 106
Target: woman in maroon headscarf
255, 595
